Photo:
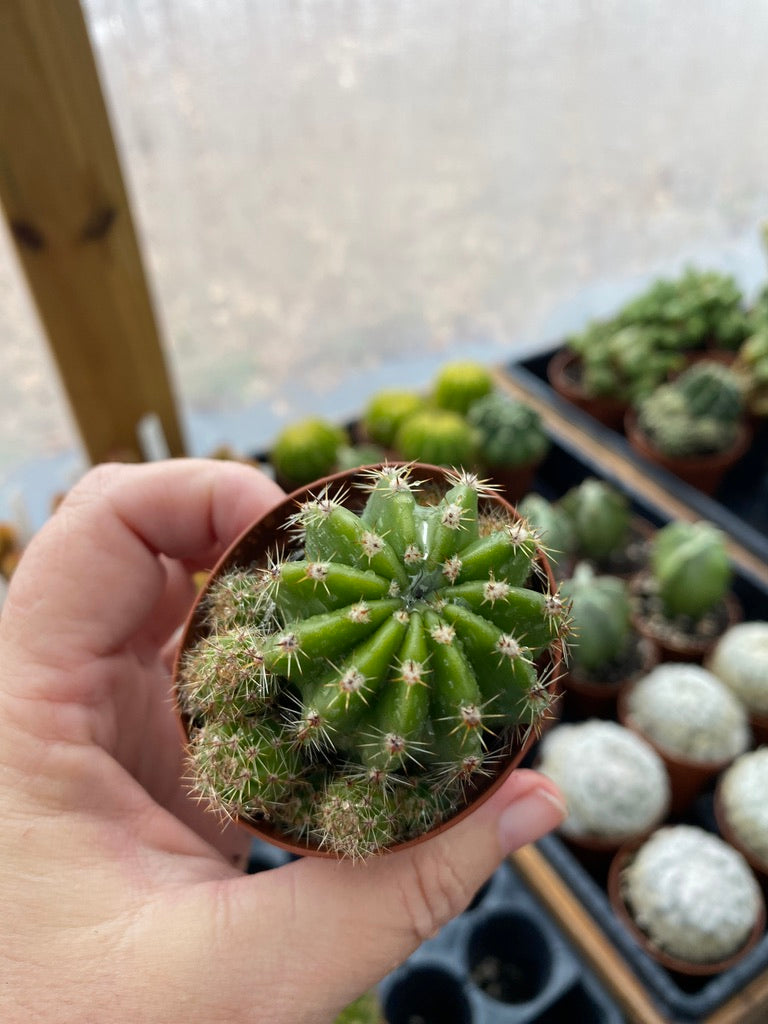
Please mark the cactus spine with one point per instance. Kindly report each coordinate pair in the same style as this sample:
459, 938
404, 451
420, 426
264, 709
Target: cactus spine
353, 691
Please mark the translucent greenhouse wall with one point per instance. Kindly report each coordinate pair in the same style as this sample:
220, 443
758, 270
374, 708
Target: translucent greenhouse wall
333, 196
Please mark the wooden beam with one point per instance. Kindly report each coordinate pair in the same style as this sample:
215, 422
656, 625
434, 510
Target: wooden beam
66, 205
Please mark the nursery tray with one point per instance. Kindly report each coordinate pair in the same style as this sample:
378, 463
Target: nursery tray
578, 898
740, 505
593, 969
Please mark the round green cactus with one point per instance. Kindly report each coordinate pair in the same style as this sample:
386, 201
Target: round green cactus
386, 411
552, 524
511, 432
306, 450
356, 688
600, 515
459, 384
601, 614
712, 389
439, 437
690, 564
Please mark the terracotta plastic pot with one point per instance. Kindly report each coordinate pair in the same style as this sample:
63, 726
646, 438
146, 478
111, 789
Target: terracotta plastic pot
564, 374
671, 963
704, 472
268, 532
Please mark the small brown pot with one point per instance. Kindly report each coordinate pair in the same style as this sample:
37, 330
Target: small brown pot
679, 647
586, 698
671, 963
687, 778
705, 472
759, 724
265, 534
564, 374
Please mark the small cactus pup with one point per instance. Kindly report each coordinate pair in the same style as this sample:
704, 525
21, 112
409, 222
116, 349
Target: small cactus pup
438, 437
513, 441
606, 651
385, 412
368, 660
459, 384
690, 899
306, 450
685, 603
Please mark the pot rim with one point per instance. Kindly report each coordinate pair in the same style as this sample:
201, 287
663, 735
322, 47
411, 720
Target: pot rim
668, 960
254, 537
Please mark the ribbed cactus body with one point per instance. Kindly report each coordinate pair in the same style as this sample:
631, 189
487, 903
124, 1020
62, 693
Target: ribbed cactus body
691, 567
600, 515
511, 432
712, 389
377, 670
601, 614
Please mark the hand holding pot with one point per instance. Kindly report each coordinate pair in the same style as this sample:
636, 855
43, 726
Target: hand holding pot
124, 900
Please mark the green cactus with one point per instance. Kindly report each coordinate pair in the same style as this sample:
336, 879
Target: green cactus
386, 411
697, 414
511, 432
355, 689
752, 367
690, 564
600, 515
601, 615
351, 456
457, 385
306, 450
553, 526
439, 437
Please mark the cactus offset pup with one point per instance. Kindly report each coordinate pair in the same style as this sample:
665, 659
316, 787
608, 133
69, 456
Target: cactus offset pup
361, 683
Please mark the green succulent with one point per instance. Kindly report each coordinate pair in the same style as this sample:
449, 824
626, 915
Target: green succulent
306, 450
511, 432
386, 411
459, 384
601, 518
354, 688
439, 437
601, 615
690, 564
752, 366
553, 526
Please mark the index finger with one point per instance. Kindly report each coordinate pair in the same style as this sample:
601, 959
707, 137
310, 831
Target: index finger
91, 576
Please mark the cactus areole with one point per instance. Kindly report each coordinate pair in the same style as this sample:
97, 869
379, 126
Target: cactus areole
369, 660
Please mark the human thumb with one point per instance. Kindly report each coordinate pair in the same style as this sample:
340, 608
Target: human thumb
348, 925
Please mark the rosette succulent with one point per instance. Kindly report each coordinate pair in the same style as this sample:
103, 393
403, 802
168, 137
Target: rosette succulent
358, 687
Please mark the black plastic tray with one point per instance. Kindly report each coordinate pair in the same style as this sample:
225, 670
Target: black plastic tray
740, 505
680, 999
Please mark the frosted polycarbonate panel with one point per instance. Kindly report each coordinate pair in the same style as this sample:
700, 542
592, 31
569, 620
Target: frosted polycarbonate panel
335, 195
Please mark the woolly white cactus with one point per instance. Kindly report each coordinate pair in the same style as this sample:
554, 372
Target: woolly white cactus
740, 659
689, 713
694, 896
742, 793
615, 784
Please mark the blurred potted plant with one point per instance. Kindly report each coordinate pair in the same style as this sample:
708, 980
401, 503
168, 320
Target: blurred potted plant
512, 441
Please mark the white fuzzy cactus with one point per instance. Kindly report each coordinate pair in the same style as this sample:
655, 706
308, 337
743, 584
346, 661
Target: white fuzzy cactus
615, 784
694, 896
689, 713
740, 659
743, 795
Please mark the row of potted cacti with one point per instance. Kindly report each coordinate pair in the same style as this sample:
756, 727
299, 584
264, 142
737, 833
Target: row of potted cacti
682, 368
463, 419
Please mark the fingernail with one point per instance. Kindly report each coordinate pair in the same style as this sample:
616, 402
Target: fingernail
529, 818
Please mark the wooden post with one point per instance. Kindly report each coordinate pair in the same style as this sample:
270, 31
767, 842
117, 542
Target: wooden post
68, 213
